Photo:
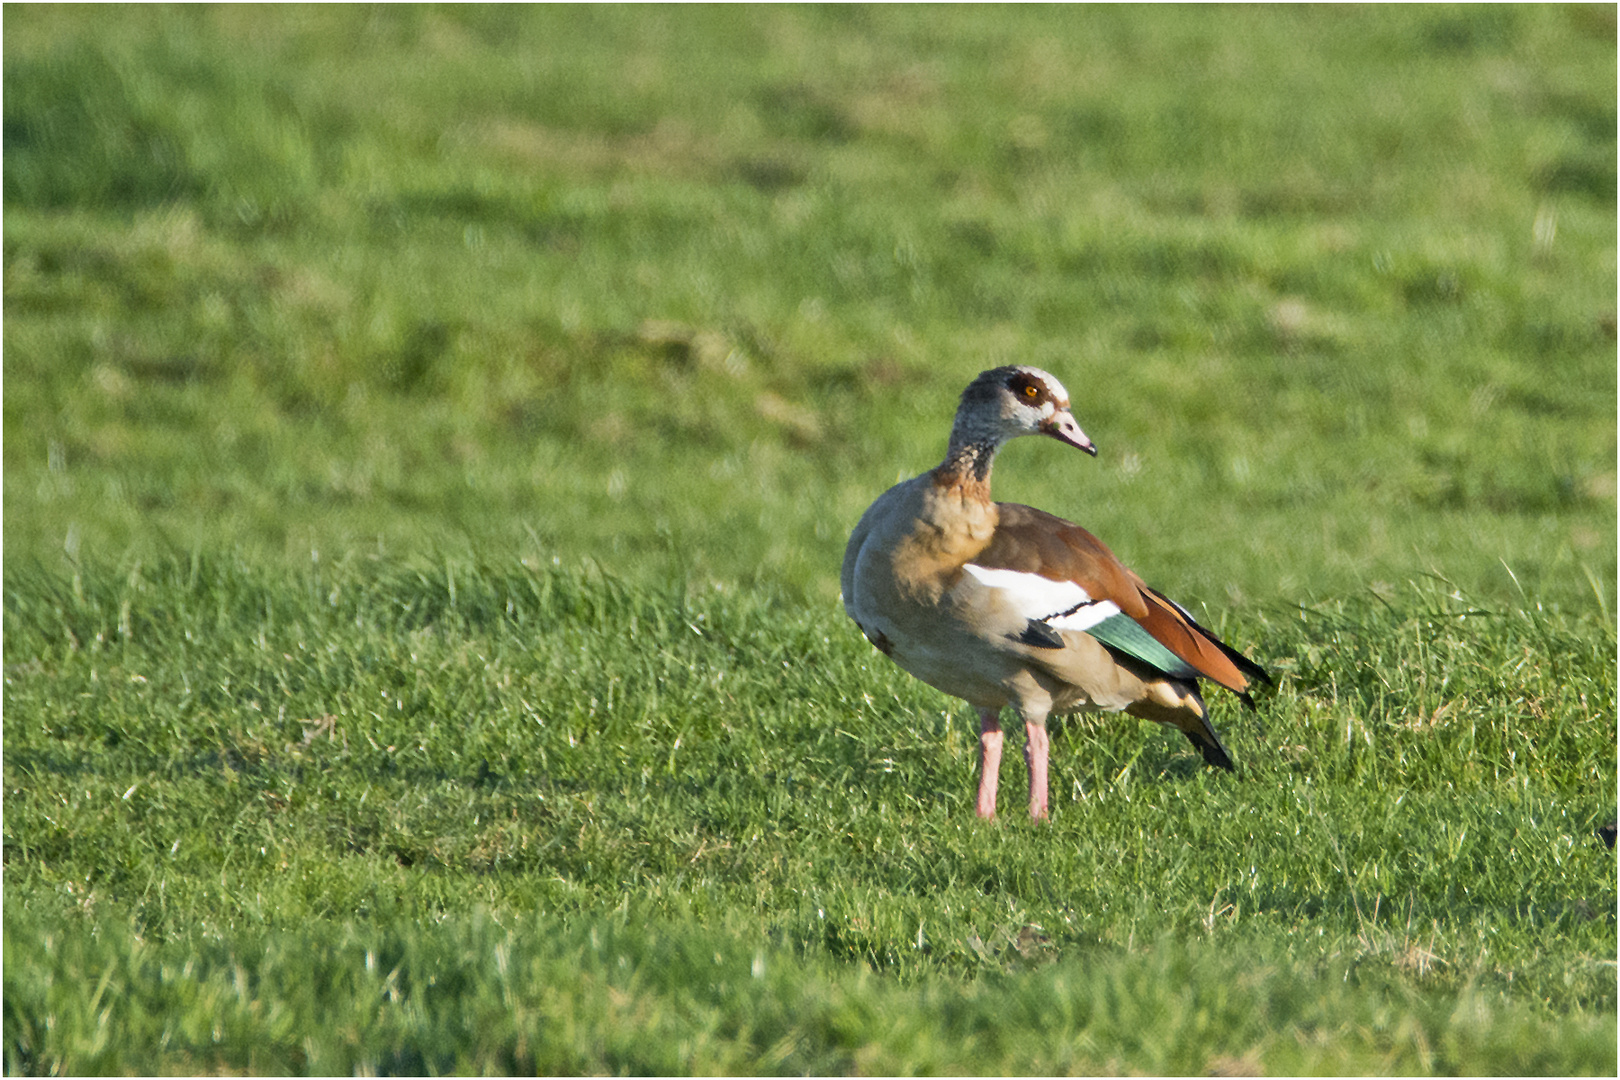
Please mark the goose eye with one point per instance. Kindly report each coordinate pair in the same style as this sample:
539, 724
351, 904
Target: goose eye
1031, 393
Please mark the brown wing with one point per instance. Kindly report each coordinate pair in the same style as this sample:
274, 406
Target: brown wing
1036, 542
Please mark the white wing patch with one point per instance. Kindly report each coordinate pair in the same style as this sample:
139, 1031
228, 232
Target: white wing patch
1086, 616
1062, 605
1032, 596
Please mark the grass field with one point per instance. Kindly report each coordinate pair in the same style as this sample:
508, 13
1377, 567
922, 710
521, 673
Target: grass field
431, 435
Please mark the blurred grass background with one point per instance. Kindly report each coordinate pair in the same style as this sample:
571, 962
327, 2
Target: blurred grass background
684, 288
430, 439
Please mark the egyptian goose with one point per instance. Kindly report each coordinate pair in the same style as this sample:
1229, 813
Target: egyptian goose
1001, 604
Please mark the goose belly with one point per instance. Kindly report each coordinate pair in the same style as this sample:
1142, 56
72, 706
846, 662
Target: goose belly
950, 663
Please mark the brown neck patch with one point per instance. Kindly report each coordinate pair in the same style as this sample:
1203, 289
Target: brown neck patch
967, 463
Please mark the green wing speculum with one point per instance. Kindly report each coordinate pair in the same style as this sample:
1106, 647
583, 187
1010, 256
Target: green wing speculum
1127, 635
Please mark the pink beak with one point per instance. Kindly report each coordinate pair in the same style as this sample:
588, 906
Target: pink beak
1063, 428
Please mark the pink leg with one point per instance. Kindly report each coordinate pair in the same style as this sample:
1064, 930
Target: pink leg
1037, 744
989, 760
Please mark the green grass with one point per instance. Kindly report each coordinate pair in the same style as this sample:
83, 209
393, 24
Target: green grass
466, 994
431, 435
342, 279
214, 765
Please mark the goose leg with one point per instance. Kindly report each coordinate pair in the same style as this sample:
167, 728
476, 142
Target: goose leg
989, 760
1037, 745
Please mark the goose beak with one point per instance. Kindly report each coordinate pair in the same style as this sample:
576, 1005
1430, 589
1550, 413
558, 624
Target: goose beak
1064, 429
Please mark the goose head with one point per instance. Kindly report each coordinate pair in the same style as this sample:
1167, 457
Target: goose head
1006, 402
